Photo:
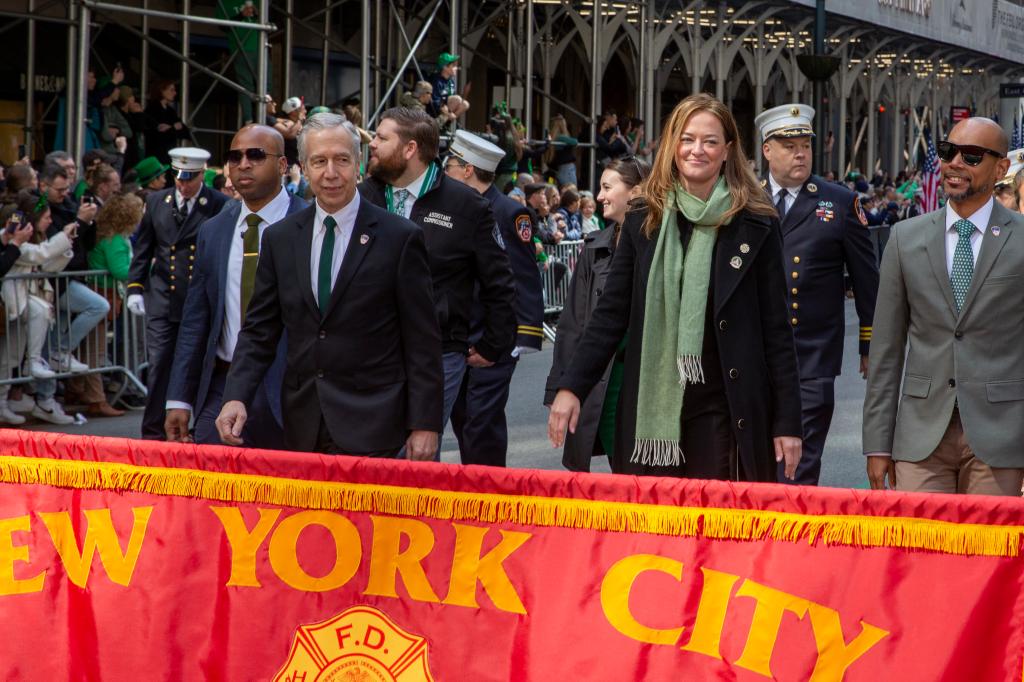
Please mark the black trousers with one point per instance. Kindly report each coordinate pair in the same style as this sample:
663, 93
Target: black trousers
261, 429
161, 336
818, 397
325, 445
478, 417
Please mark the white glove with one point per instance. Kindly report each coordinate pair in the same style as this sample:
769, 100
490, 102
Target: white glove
135, 305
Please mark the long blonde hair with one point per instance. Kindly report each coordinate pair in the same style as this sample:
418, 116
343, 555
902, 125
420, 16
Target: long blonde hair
557, 127
747, 193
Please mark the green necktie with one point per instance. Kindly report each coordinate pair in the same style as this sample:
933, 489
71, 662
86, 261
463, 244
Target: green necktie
250, 257
401, 195
323, 275
963, 262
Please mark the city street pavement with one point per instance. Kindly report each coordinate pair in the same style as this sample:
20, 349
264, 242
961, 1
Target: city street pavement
843, 464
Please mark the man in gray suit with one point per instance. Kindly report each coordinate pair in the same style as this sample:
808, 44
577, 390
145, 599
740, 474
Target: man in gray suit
952, 285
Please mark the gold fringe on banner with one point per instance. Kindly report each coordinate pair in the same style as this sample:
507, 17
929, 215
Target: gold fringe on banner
597, 515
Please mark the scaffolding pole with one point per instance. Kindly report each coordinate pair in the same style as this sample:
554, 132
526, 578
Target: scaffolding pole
30, 81
183, 89
288, 38
364, 62
326, 56
528, 72
262, 65
81, 86
144, 76
595, 88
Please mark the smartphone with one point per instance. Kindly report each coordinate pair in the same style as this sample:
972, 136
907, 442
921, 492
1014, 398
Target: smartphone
15, 222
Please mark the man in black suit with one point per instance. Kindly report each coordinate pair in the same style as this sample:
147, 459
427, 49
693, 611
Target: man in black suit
165, 252
350, 285
220, 293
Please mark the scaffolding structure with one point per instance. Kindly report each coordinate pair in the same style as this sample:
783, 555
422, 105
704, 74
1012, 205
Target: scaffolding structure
553, 56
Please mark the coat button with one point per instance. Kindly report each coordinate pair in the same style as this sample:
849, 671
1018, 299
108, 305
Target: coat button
741, 424
193, 247
796, 306
796, 259
796, 275
794, 291
952, 383
172, 268
319, 374
172, 287
723, 325
958, 334
172, 248
734, 373
323, 334
793, 321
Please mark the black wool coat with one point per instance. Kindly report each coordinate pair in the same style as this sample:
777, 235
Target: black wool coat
752, 328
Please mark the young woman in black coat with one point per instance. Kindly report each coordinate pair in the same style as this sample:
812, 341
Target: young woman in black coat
715, 393
594, 435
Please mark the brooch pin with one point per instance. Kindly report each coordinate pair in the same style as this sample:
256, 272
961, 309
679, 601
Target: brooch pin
811, 187
364, 238
202, 201
736, 262
995, 230
744, 248
167, 199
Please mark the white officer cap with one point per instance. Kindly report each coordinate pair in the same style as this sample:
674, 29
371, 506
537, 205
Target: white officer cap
291, 104
188, 162
788, 120
1016, 158
476, 151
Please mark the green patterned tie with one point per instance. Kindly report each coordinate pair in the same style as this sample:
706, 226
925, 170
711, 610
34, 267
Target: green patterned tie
963, 262
323, 275
250, 257
401, 196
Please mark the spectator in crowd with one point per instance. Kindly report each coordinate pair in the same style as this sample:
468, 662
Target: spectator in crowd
126, 114
164, 126
465, 256
363, 369
588, 214
703, 257
118, 136
20, 177
245, 43
90, 160
445, 98
295, 182
221, 294
550, 224
102, 182
503, 134
611, 144
595, 431
15, 233
420, 98
149, 175
561, 156
289, 124
569, 209
81, 307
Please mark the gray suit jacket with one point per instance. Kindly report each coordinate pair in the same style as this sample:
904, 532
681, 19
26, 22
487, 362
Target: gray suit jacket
974, 359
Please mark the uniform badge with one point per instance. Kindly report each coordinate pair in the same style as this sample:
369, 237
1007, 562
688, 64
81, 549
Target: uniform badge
744, 248
202, 201
167, 199
995, 230
524, 228
736, 262
859, 210
811, 187
364, 239
825, 211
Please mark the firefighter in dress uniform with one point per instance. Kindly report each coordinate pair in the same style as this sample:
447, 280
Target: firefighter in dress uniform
1007, 190
165, 253
478, 418
824, 231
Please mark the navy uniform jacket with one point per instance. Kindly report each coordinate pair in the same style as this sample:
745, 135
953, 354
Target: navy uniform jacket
824, 230
165, 254
515, 229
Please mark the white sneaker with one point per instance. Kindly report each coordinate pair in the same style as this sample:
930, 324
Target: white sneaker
66, 362
52, 413
40, 369
23, 404
9, 417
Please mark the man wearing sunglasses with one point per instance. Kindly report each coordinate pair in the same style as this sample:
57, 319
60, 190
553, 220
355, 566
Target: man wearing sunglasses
220, 293
162, 267
951, 289
824, 234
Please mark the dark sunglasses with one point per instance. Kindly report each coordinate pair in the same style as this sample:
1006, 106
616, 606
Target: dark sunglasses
256, 155
971, 154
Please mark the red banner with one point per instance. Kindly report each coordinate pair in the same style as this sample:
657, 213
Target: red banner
126, 560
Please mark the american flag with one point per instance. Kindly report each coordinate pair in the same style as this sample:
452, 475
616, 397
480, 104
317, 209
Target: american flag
930, 177
1015, 138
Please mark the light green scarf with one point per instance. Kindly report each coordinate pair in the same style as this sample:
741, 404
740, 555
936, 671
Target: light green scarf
677, 297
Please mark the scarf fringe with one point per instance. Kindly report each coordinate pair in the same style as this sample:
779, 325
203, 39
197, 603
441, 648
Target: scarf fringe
657, 452
691, 370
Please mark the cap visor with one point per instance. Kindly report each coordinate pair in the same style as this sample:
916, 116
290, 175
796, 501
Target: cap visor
186, 175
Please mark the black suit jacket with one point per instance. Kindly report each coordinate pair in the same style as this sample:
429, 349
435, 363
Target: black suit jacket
165, 253
752, 329
371, 366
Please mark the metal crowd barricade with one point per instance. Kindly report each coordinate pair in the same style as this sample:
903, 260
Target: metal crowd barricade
556, 274
115, 345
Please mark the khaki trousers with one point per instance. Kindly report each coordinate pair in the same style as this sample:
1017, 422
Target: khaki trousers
953, 468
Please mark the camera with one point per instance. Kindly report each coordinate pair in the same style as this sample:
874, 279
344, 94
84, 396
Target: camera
15, 222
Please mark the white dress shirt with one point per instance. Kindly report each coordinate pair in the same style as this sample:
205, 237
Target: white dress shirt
415, 190
345, 222
276, 210
184, 205
979, 218
791, 192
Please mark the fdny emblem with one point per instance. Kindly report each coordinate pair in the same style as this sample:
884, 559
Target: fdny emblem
859, 210
811, 187
524, 228
361, 644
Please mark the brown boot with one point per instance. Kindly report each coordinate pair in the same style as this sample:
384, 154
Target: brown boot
103, 409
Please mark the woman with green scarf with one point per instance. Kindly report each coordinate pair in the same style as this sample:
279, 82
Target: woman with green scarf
697, 288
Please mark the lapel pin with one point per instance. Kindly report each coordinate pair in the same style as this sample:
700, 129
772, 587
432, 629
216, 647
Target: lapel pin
744, 248
995, 230
811, 187
364, 238
736, 262
202, 201
167, 199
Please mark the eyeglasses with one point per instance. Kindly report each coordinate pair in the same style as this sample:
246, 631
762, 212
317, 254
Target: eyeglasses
256, 155
454, 161
971, 154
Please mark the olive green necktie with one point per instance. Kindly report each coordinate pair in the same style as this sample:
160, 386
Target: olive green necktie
963, 262
250, 257
323, 275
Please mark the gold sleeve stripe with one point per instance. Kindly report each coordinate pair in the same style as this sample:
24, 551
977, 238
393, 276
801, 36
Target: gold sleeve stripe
531, 333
